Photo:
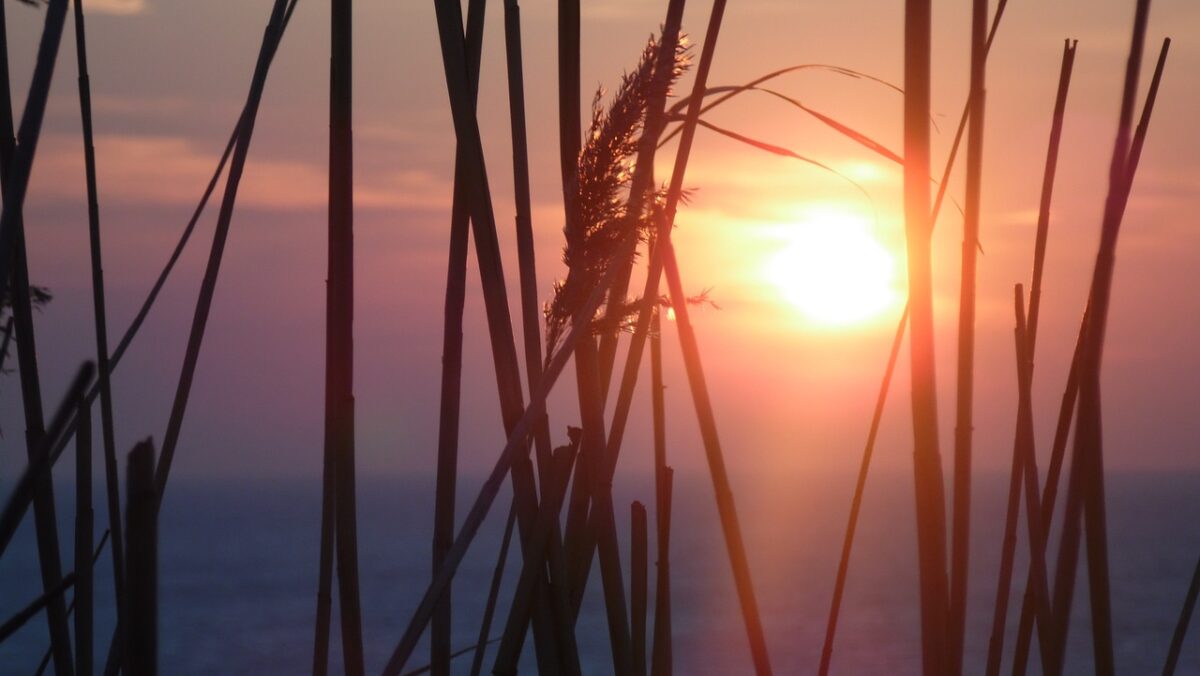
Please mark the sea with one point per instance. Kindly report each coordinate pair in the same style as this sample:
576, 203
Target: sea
238, 574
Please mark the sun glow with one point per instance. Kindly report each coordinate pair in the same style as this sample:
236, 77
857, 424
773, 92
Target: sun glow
833, 269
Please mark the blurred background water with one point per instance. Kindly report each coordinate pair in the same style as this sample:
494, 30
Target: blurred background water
238, 570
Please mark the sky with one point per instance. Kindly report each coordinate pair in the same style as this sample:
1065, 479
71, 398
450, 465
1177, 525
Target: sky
168, 78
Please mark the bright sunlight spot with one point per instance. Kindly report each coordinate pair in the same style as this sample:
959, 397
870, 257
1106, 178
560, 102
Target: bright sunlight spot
832, 268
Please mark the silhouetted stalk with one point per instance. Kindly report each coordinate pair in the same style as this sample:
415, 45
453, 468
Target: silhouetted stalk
662, 658
339, 333
570, 122
513, 638
1032, 587
927, 464
638, 584
141, 562
18, 162
530, 309
1025, 450
960, 535
449, 17
208, 284
15, 164
83, 542
22, 616
451, 385
962, 120
108, 433
839, 585
1185, 616
493, 593
42, 461
1043, 224
1088, 437
5, 342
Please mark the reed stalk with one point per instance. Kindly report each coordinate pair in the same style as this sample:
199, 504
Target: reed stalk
141, 562
451, 385
839, 585
5, 342
339, 333
1185, 616
662, 656
19, 165
638, 585
15, 164
22, 616
208, 285
960, 533
963, 119
1088, 436
107, 427
84, 587
927, 464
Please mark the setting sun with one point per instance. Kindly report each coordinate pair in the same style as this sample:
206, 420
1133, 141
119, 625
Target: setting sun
833, 269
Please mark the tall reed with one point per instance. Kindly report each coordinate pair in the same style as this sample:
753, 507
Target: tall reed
638, 585
20, 163
107, 428
839, 584
84, 587
927, 464
964, 420
1088, 436
141, 562
662, 654
15, 164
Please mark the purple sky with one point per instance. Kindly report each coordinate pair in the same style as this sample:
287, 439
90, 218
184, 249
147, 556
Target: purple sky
168, 78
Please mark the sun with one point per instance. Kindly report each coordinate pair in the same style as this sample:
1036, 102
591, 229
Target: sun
833, 269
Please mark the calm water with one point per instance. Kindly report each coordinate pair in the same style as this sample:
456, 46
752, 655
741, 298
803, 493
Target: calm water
238, 573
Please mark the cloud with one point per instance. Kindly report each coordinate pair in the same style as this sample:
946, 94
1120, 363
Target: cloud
119, 7
174, 170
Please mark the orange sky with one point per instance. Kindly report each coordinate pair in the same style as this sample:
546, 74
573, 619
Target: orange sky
168, 79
